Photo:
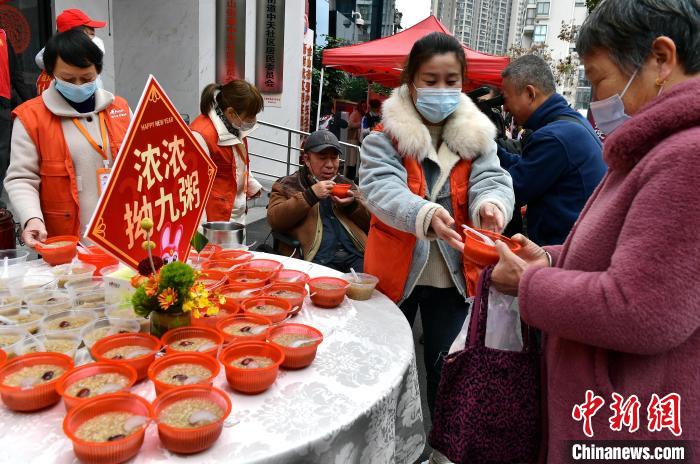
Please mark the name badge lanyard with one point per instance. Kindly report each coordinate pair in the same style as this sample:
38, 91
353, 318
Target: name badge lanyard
102, 174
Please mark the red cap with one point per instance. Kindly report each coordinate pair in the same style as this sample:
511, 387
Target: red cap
69, 19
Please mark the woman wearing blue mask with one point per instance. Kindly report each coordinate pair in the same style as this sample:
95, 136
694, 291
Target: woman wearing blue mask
229, 114
64, 142
429, 168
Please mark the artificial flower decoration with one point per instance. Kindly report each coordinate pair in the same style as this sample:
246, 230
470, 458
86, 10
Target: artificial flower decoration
167, 298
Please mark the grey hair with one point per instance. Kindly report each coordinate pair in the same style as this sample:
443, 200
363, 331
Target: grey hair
628, 28
530, 70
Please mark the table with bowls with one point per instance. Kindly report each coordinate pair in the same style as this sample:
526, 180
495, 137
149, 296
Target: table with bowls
358, 401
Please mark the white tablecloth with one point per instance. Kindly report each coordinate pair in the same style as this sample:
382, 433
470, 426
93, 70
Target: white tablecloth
358, 401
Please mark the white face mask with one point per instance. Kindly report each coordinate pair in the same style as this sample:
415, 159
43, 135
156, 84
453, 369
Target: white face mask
609, 114
436, 105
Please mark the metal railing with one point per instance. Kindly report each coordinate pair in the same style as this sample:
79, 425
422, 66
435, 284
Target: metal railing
290, 148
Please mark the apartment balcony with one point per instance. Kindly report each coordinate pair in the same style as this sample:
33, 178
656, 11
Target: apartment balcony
531, 6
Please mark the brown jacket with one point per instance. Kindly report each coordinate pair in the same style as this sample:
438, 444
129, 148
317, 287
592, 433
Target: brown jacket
294, 210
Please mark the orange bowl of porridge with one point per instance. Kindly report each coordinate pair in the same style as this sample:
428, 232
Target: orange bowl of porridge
109, 428
94, 379
243, 328
193, 339
251, 367
299, 343
328, 292
60, 249
275, 309
137, 350
28, 382
177, 370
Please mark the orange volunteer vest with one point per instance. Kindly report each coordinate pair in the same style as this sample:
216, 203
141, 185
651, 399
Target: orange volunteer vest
389, 251
58, 191
220, 203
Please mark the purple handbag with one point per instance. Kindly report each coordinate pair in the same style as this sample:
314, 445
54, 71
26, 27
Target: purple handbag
488, 404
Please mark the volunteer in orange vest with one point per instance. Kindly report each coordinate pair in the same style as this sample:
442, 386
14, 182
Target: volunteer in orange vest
430, 167
64, 142
229, 114
67, 20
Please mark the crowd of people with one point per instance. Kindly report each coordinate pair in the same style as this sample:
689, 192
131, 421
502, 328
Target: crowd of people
608, 238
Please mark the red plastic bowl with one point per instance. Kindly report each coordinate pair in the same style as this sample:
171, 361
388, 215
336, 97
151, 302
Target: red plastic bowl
60, 255
191, 440
42, 395
295, 302
481, 254
232, 295
207, 252
251, 278
157, 367
291, 276
88, 370
219, 265
340, 190
283, 304
211, 321
213, 280
328, 297
235, 257
140, 363
246, 318
296, 358
173, 337
107, 452
269, 266
3, 357
254, 380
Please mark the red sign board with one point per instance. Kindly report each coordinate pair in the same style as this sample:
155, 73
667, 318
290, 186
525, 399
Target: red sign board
161, 173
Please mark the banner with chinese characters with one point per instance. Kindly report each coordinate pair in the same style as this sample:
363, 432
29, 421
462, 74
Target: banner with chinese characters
230, 40
161, 173
269, 46
306, 70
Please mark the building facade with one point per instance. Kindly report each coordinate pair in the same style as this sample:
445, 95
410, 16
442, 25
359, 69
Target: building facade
482, 25
357, 21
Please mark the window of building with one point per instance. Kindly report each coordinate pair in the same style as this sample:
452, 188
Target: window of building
583, 98
540, 34
542, 8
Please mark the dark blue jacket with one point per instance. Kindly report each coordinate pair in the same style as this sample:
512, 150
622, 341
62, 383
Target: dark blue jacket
561, 165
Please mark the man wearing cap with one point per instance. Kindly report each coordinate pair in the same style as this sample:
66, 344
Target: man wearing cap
67, 20
332, 230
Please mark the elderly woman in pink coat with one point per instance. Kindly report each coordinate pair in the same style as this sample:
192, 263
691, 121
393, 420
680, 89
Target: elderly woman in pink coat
619, 302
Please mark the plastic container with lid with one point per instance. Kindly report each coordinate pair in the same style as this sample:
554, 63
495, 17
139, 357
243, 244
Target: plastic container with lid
292, 276
104, 327
25, 319
87, 284
207, 362
251, 380
89, 370
250, 321
327, 292
361, 290
173, 338
481, 253
126, 311
148, 343
292, 292
301, 356
13, 266
197, 439
11, 339
9, 302
114, 451
50, 300
32, 283
117, 283
41, 343
38, 396
60, 249
67, 322
72, 271
282, 307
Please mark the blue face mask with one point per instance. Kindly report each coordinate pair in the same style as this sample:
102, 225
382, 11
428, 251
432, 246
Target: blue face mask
609, 114
76, 93
436, 105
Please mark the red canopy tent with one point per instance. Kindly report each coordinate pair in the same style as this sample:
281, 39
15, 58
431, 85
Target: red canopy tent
382, 60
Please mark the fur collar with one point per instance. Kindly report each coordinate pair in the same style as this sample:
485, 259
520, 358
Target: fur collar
467, 132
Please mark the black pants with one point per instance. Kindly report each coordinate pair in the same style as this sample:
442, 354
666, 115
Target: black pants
442, 312
5, 136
